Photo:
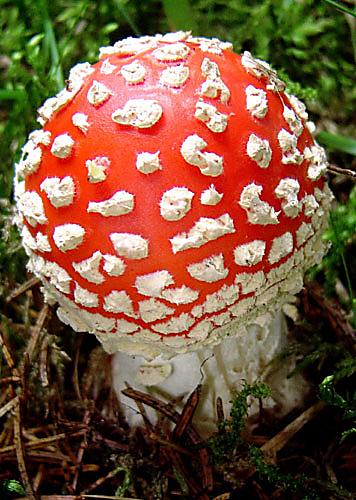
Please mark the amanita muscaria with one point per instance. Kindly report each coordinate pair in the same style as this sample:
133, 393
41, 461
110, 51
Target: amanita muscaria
173, 198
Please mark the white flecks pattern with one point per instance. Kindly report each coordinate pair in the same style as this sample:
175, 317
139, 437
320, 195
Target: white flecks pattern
81, 320
28, 241
250, 282
81, 121
124, 326
152, 284
134, 72
120, 203
42, 243
259, 150
147, 163
153, 309
209, 270
258, 211
97, 169
107, 68
173, 37
98, 93
256, 101
213, 86
30, 161
210, 164
211, 45
310, 205
180, 295
175, 76
176, 324
60, 192
77, 76
172, 52
38, 243
262, 70
288, 190
288, 143
204, 230
129, 46
281, 247
293, 157
250, 254
304, 232
298, 106
85, 297
89, 268
62, 146
113, 266
175, 203
30, 204
140, 113
132, 246
318, 162
220, 312
68, 236
118, 301
284, 277
311, 127
39, 136
57, 276
210, 196
293, 121
208, 114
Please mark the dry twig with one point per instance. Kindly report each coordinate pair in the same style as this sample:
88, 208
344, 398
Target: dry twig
101, 480
8, 358
274, 445
187, 412
20, 455
334, 314
219, 410
36, 331
83, 445
22, 288
42, 442
9, 406
343, 171
207, 475
80, 497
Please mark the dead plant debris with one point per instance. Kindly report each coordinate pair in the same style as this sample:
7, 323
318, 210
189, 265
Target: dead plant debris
62, 436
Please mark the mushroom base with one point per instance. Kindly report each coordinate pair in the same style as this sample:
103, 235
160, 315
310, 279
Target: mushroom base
222, 370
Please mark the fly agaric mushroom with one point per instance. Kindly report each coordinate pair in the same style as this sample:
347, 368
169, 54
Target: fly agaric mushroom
171, 204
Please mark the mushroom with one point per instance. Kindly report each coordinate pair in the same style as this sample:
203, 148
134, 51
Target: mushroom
170, 204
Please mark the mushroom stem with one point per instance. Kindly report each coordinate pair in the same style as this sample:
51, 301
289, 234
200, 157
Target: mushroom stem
222, 370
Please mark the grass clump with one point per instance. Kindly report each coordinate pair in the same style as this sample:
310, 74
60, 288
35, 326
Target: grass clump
229, 434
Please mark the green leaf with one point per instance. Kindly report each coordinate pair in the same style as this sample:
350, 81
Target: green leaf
13, 486
180, 15
346, 434
12, 95
338, 142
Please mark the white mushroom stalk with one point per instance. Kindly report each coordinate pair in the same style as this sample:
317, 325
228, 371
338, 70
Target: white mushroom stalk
171, 205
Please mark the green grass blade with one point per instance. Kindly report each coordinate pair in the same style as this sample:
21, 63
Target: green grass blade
338, 142
180, 15
51, 41
119, 4
12, 94
342, 7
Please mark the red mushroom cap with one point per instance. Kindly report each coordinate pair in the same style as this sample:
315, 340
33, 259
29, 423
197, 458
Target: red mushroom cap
174, 192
